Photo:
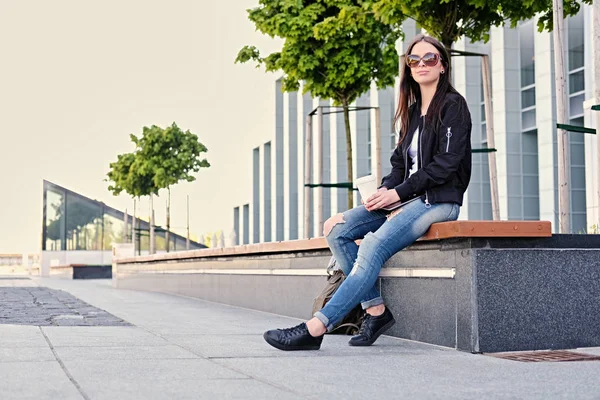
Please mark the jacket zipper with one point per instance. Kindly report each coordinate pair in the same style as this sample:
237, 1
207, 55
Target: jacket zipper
427, 205
406, 164
448, 136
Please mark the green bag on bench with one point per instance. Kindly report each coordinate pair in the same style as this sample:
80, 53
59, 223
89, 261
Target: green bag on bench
352, 321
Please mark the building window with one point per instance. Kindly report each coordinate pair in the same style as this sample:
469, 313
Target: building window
83, 224
576, 77
576, 82
529, 145
55, 221
480, 203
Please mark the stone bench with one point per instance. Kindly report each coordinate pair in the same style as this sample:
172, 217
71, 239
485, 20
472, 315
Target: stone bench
81, 271
477, 286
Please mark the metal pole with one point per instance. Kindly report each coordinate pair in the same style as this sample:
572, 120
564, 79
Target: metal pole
377, 157
133, 226
596, 46
125, 227
152, 243
307, 169
187, 239
168, 233
319, 194
564, 203
489, 124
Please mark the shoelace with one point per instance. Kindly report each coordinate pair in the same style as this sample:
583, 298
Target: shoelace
293, 331
365, 324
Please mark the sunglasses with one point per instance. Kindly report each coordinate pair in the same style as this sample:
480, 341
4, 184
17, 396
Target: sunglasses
429, 59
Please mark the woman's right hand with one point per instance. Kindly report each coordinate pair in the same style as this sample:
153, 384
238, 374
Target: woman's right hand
381, 189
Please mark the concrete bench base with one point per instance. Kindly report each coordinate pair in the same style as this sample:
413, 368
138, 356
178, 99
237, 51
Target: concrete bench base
475, 295
77, 271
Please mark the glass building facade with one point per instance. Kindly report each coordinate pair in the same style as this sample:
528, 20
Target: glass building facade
523, 95
72, 222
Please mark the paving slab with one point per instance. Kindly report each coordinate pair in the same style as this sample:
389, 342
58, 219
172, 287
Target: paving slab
102, 336
253, 345
180, 348
12, 354
148, 371
13, 281
88, 353
448, 376
36, 381
190, 389
16, 336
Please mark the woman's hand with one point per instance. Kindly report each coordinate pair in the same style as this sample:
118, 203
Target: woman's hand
383, 197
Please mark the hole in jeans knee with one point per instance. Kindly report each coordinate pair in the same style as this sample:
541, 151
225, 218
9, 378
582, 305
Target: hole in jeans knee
331, 222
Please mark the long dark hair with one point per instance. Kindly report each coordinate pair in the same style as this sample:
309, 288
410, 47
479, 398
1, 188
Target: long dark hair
410, 92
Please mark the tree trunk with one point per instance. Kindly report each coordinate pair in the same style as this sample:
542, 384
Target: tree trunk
564, 190
187, 239
489, 123
448, 44
596, 52
138, 235
152, 243
133, 226
167, 238
349, 153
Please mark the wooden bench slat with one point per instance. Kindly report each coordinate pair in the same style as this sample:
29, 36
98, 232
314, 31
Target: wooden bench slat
455, 229
442, 230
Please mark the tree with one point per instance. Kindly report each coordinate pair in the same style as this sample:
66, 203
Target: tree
130, 174
169, 155
449, 20
335, 47
162, 158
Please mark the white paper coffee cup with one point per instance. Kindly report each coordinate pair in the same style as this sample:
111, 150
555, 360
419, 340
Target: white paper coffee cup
367, 186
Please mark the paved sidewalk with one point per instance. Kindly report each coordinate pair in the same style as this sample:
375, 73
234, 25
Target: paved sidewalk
182, 348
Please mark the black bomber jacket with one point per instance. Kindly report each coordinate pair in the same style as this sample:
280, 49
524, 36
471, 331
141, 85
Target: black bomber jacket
444, 156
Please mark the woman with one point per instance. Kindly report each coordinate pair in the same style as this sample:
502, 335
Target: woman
431, 166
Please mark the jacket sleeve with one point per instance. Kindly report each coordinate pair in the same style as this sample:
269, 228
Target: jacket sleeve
396, 176
454, 140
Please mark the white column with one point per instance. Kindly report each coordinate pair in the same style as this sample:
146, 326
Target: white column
460, 65
546, 125
261, 202
507, 113
286, 164
316, 203
334, 157
592, 169
376, 159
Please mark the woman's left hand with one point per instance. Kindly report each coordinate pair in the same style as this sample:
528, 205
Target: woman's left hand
381, 199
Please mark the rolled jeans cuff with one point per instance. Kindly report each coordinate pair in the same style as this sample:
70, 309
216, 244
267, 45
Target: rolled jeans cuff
372, 303
321, 317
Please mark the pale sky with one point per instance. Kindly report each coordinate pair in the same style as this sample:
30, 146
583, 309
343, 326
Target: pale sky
77, 77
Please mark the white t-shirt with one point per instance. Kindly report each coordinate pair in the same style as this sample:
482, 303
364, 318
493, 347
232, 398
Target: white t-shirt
413, 152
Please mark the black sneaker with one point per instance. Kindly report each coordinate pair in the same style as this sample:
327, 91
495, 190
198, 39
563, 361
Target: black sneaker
372, 327
295, 338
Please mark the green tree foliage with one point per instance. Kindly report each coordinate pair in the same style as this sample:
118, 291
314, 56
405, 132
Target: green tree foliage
162, 158
335, 47
448, 20
132, 175
169, 155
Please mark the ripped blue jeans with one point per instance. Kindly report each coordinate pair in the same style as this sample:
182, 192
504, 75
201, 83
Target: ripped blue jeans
383, 237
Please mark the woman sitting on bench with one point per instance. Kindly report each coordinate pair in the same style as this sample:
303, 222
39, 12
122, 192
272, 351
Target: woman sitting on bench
431, 169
